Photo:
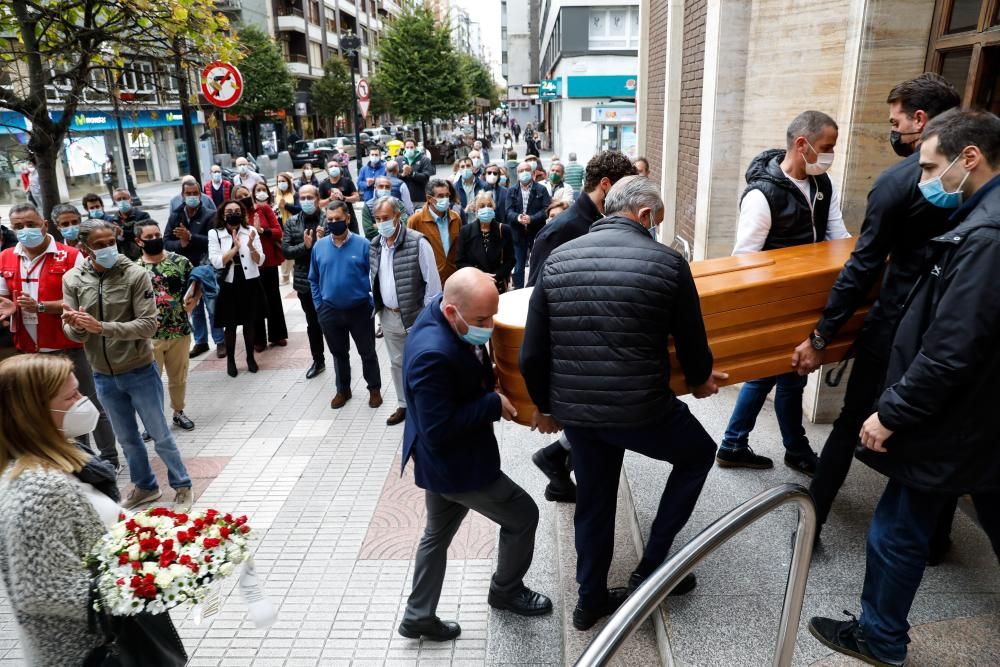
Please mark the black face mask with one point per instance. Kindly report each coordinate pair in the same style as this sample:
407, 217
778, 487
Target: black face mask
233, 219
899, 147
336, 227
245, 202
152, 246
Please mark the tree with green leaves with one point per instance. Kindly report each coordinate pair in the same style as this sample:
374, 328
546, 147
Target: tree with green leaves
77, 46
331, 94
267, 83
478, 79
420, 73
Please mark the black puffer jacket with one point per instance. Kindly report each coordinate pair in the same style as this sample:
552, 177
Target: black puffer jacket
943, 394
898, 223
599, 322
293, 247
793, 221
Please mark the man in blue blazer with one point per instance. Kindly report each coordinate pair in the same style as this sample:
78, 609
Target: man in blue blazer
527, 204
452, 399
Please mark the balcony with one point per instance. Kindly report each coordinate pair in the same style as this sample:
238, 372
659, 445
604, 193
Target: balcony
289, 18
229, 5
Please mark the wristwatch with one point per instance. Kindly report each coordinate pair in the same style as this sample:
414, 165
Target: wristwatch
41, 307
817, 341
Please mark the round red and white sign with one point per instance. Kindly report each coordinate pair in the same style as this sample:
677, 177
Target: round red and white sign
221, 83
363, 90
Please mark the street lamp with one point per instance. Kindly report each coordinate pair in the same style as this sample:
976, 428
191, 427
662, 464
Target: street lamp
351, 44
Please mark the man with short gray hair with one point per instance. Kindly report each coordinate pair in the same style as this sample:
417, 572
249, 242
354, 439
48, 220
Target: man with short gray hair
789, 200
404, 279
612, 290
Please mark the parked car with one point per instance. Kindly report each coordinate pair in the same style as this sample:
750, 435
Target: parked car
344, 145
317, 151
378, 135
366, 141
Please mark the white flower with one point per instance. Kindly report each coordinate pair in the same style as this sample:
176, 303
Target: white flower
226, 569
133, 552
164, 578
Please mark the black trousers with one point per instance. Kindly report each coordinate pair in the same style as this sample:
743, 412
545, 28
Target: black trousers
867, 376
597, 458
313, 330
270, 326
341, 325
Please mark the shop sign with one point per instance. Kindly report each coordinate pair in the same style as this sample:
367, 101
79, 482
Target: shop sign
614, 115
550, 89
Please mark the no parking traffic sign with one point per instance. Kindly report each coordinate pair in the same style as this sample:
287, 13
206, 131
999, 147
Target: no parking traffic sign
364, 99
221, 83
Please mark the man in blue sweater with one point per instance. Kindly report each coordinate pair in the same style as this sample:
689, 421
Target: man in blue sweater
341, 292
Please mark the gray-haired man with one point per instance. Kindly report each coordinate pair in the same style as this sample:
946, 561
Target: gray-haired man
404, 279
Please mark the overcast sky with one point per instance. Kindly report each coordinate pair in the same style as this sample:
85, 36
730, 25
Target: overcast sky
487, 13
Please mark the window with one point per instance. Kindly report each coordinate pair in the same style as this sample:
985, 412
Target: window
614, 28
315, 54
314, 12
964, 48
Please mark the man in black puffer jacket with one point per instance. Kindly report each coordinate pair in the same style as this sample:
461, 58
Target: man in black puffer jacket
595, 359
935, 432
301, 231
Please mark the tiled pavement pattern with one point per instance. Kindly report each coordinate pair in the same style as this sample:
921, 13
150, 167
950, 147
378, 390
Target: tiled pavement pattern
336, 527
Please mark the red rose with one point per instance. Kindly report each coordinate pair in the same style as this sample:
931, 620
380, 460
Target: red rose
120, 582
136, 565
185, 559
183, 537
167, 558
168, 545
180, 518
244, 529
224, 532
211, 543
208, 558
122, 558
136, 581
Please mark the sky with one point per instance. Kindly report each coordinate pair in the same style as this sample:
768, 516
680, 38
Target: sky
487, 13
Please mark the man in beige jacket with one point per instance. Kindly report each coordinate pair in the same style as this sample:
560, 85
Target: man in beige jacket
108, 306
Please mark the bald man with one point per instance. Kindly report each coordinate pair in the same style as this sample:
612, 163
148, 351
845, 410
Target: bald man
452, 403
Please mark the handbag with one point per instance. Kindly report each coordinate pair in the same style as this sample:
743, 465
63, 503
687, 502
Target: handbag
220, 274
143, 640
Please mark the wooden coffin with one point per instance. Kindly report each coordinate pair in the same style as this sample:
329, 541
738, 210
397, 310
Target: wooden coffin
757, 307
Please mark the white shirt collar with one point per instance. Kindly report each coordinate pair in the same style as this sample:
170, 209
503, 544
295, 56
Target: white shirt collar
51, 250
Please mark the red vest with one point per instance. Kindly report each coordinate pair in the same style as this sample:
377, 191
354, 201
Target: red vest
49, 275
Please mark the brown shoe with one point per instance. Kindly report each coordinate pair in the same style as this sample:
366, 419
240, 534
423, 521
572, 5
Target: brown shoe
259, 347
340, 399
280, 343
396, 417
374, 398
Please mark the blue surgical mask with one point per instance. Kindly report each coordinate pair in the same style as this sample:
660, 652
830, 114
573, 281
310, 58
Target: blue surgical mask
334, 172
95, 214
192, 202
466, 174
409, 153
106, 257
243, 168
216, 177
486, 214
30, 237
442, 204
70, 233
383, 193
308, 206
934, 192
125, 206
386, 229
503, 181
524, 177
475, 335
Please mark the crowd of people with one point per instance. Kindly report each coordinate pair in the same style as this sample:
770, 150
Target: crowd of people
98, 304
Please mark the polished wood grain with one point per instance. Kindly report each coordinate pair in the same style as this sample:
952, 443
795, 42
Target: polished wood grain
757, 307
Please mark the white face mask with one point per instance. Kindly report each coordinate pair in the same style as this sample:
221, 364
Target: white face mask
261, 195
80, 419
823, 162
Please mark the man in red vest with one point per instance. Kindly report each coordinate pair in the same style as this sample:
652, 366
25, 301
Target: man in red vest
31, 300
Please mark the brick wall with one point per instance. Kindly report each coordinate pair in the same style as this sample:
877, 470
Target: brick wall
692, 70
655, 87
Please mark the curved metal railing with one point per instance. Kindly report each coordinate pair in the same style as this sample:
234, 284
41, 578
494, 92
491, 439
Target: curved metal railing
655, 589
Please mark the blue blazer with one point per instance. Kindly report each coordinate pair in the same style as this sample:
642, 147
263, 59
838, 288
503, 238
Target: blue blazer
538, 204
450, 408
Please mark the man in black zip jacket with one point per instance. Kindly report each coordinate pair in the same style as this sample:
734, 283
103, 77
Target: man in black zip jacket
594, 359
934, 432
898, 223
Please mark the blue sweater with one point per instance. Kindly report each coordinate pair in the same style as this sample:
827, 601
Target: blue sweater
339, 276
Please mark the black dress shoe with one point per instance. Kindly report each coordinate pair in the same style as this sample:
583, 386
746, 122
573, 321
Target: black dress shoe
685, 586
315, 370
198, 349
435, 630
524, 602
846, 637
804, 464
561, 491
560, 488
585, 617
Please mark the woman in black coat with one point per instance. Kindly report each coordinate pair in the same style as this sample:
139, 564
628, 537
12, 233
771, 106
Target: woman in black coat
487, 244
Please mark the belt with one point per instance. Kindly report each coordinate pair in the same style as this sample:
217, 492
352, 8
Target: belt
391, 309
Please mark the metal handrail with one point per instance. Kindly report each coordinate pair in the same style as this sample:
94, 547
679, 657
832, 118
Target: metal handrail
647, 598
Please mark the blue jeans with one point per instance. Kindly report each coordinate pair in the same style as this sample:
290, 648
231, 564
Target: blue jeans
200, 326
787, 406
522, 245
597, 459
141, 391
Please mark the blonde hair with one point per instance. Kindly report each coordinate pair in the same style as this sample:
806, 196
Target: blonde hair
484, 197
28, 436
